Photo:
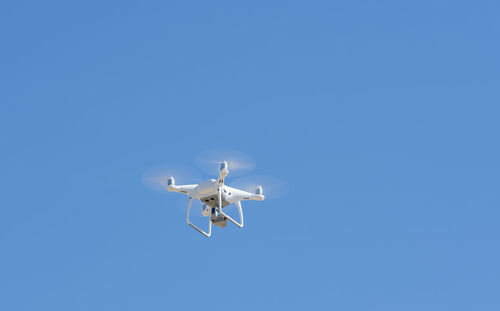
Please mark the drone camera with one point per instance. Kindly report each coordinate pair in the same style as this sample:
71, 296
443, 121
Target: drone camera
171, 181
219, 220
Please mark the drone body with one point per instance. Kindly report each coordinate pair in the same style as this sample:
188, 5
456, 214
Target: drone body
215, 195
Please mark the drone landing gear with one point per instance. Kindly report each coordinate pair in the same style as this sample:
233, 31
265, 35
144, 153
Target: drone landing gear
216, 216
207, 234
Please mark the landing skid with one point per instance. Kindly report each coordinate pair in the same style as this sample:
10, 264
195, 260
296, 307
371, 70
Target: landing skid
217, 217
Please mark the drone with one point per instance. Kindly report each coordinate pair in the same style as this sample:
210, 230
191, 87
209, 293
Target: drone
215, 196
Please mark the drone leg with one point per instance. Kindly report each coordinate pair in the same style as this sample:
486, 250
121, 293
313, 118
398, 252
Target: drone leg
198, 229
219, 190
239, 224
238, 205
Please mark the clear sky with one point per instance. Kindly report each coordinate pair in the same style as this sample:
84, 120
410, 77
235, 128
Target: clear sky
383, 117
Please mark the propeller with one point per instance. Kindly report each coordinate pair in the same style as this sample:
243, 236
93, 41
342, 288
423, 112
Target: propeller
156, 178
239, 163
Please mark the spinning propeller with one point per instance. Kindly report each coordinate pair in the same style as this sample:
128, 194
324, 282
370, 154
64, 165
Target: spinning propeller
239, 163
157, 177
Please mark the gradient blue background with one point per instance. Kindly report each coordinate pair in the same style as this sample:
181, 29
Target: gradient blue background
382, 116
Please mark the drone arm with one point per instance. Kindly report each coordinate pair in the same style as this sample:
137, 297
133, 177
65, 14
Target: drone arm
254, 197
186, 189
240, 195
207, 234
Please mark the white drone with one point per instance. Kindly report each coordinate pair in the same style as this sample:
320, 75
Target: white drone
215, 195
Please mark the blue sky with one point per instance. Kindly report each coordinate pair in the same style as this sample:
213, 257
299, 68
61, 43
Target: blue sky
382, 117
